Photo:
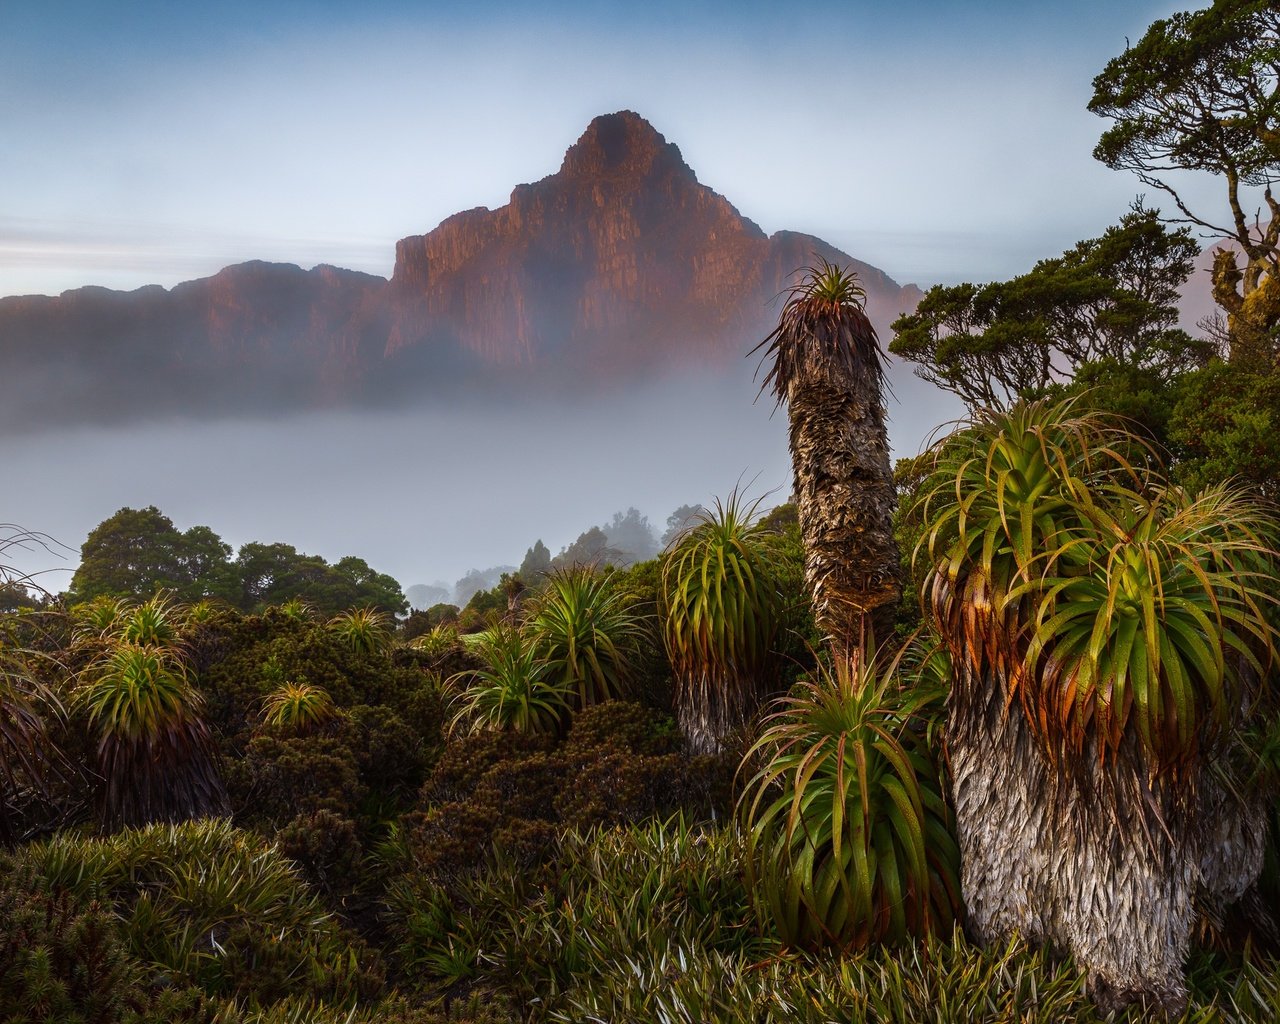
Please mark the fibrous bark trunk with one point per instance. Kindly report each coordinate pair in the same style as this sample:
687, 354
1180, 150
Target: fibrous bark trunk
1094, 860
845, 500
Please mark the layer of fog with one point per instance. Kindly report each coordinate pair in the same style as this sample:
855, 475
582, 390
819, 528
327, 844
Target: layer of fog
425, 494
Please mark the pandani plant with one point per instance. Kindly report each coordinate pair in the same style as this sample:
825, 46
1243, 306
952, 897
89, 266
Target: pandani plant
364, 630
721, 610
29, 760
582, 629
827, 367
513, 690
156, 757
299, 708
849, 836
1111, 636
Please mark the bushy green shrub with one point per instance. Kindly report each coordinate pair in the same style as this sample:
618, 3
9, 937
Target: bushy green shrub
326, 848
622, 725
283, 776
391, 755
259, 652
208, 905
513, 793
61, 958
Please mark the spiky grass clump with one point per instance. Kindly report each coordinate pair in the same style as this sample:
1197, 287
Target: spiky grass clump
155, 755
437, 642
617, 896
299, 708
512, 690
364, 630
153, 623
28, 757
208, 905
1108, 602
720, 615
296, 610
850, 838
583, 631
97, 618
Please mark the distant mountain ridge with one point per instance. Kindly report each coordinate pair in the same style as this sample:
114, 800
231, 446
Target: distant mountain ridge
620, 264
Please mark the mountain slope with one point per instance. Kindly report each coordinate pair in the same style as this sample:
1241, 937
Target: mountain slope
619, 264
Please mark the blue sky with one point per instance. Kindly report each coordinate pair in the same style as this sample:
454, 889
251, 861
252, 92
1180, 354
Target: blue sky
155, 142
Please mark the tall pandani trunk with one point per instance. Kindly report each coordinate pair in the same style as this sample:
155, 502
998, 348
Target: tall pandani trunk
827, 367
845, 501
1096, 861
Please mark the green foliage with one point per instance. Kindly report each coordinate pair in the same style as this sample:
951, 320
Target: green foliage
296, 608
512, 691
849, 836
583, 632
209, 906
1108, 603
364, 630
720, 618
610, 897
61, 959
619, 763
27, 710
137, 552
282, 776
298, 708
1198, 93
1226, 426
153, 623
257, 654
275, 574
156, 757
947, 983
326, 848
437, 642
1110, 300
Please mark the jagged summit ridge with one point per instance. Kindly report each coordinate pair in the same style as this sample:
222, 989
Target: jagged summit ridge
620, 263
623, 143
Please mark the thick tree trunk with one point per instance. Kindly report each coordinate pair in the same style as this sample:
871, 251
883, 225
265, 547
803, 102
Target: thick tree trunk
1089, 859
845, 500
1251, 299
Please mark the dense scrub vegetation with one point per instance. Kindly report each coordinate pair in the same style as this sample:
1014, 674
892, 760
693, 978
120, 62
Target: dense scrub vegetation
798, 767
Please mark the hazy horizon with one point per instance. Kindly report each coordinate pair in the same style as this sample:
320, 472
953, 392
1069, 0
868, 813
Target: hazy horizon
426, 494
154, 143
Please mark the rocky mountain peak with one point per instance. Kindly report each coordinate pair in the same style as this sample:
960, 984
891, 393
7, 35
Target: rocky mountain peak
619, 265
622, 144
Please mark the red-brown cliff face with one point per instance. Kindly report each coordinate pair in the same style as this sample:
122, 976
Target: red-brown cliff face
619, 263
621, 259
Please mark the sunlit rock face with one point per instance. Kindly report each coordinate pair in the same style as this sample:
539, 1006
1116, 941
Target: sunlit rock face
621, 264
619, 260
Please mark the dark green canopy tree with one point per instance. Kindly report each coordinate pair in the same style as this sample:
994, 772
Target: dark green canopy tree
274, 573
1110, 301
1200, 91
137, 552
